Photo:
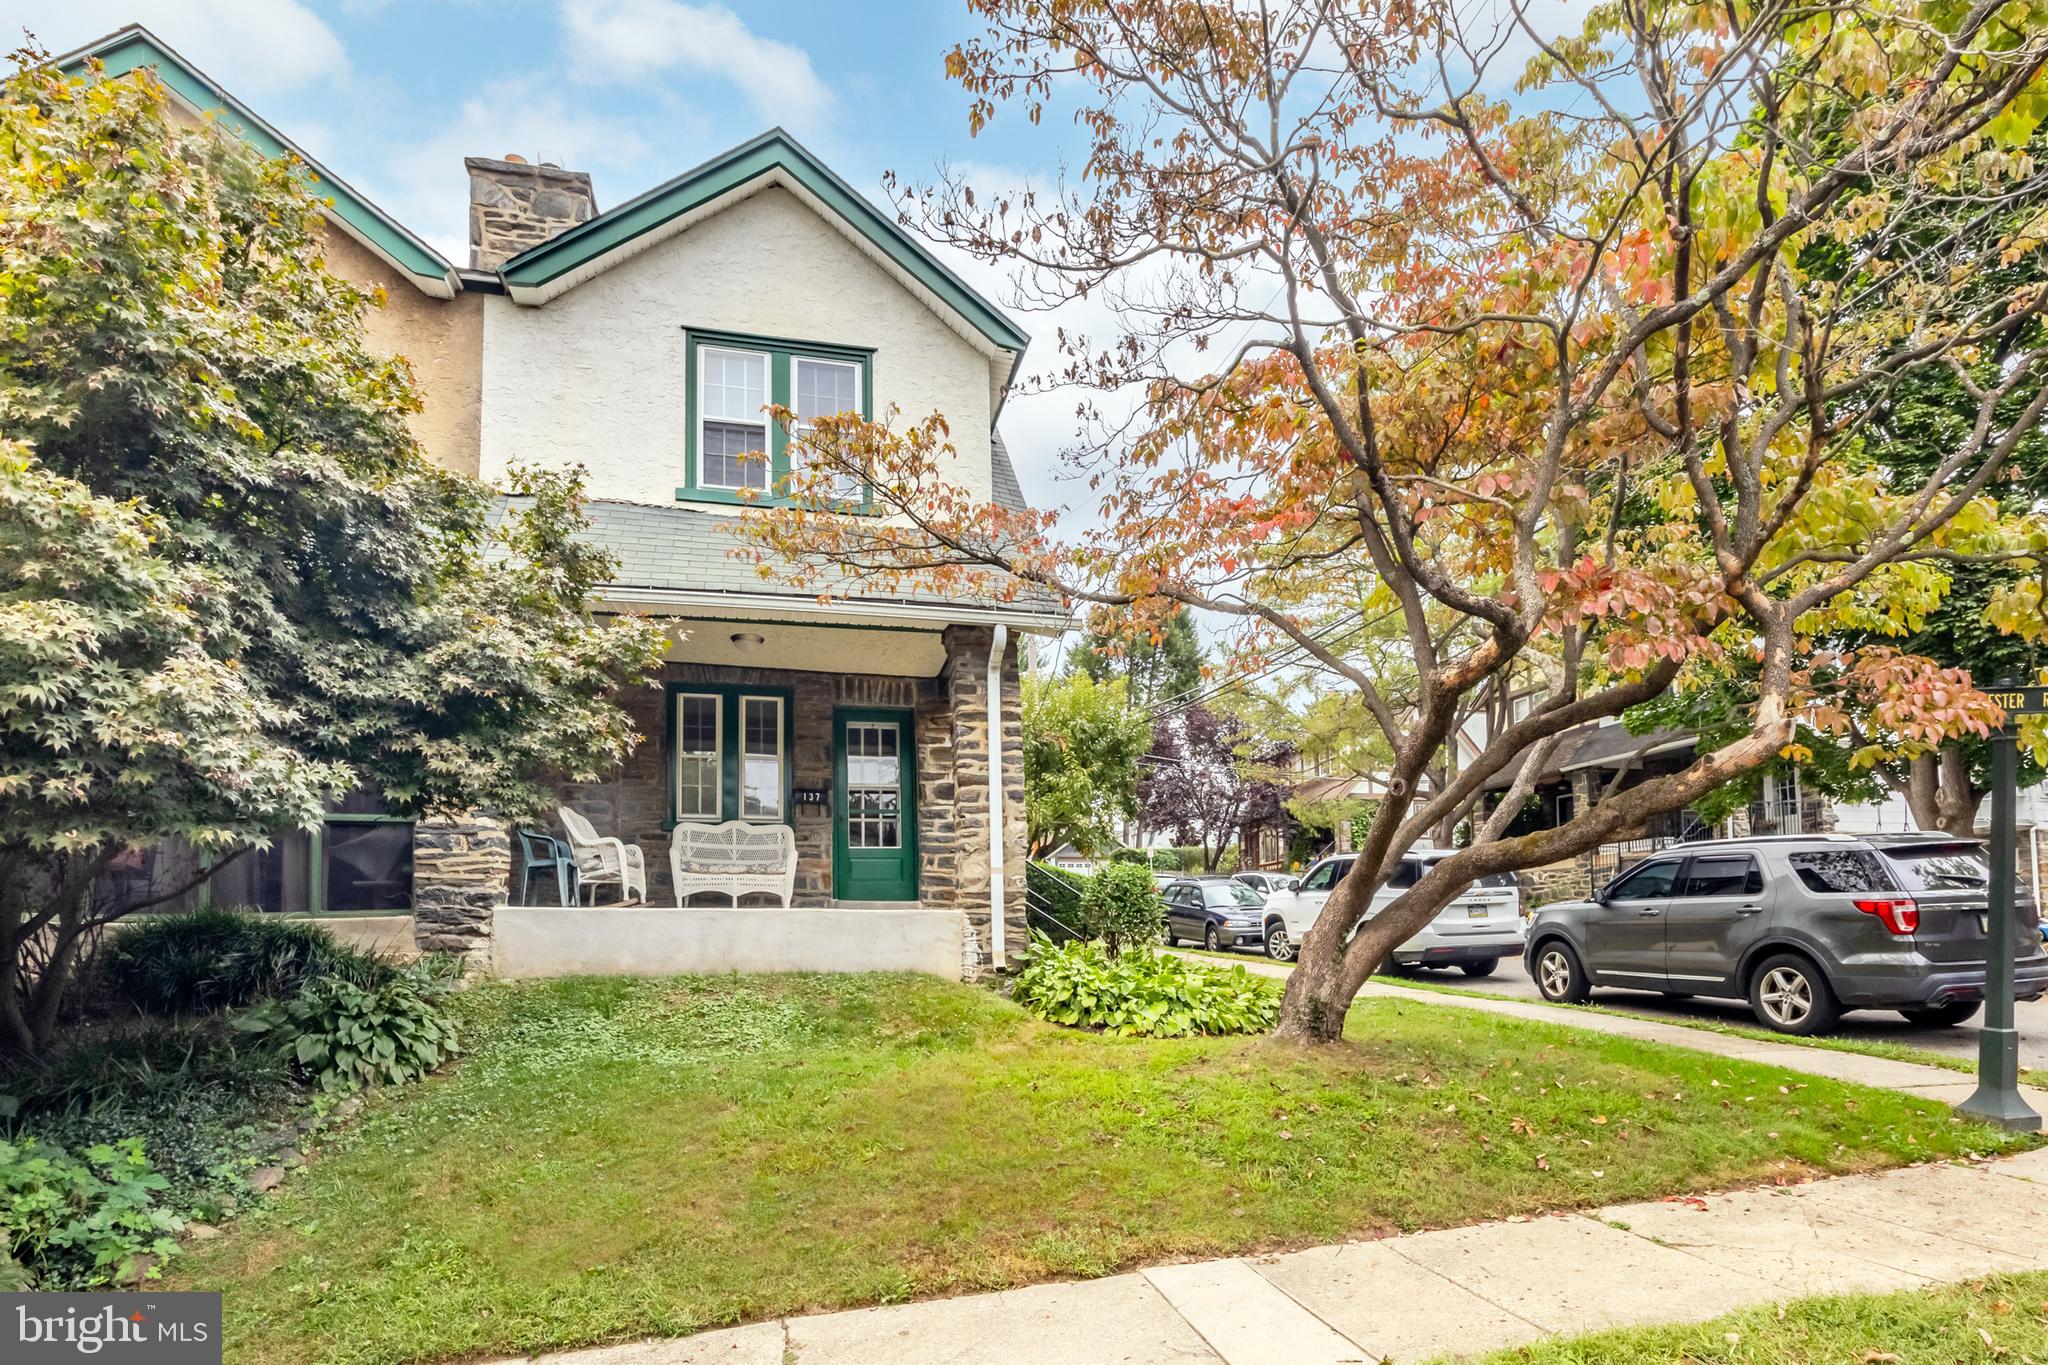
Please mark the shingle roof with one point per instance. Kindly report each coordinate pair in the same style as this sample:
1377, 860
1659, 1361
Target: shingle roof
1593, 746
1004, 489
684, 549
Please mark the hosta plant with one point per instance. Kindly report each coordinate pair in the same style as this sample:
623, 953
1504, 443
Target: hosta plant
1140, 992
344, 1036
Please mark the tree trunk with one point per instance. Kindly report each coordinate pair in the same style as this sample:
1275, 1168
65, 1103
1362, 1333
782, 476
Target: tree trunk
1938, 792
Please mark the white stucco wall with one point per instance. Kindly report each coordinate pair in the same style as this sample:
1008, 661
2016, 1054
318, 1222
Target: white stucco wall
596, 375
647, 941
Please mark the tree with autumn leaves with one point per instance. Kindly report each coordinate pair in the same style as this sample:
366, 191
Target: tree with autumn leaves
1591, 377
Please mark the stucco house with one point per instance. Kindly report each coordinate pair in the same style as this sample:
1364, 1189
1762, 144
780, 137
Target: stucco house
643, 341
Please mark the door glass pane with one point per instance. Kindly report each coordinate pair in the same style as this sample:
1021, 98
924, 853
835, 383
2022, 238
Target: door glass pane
369, 866
874, 787
1651, 882
1718, 877
761, 752
697, 785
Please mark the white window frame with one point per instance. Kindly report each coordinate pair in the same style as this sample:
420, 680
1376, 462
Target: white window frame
767, 434
781, 757
799, 429
717, 701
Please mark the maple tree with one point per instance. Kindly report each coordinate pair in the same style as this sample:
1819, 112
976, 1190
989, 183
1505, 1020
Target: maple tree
1585, 374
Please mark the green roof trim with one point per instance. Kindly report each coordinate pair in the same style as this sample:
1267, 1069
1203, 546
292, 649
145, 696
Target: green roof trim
134, 47
771, 151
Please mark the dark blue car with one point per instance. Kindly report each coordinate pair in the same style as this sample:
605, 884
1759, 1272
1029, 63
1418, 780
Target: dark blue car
1217, 914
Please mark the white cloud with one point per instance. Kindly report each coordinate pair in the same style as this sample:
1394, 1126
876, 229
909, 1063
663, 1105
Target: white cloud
253, 48
423, 186
634, 40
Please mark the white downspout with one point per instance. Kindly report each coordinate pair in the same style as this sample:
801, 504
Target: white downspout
2034, 853
996, 647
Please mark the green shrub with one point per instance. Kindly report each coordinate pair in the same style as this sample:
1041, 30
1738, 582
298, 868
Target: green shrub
1121, 905
1154, 994
1133, 856
198, 1094
221, 959
78, 1223
343, 1036
1052, 901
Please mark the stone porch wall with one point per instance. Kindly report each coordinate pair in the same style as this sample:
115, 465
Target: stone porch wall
464, 871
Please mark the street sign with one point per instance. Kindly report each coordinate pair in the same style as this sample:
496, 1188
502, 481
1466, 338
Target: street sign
2020, 701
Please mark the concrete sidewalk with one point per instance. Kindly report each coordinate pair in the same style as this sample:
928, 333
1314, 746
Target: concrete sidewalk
1464, 1290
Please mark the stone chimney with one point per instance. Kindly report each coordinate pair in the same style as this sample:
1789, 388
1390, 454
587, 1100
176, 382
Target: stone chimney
515, 204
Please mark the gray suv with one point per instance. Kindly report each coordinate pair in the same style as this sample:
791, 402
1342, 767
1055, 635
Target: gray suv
1801, 926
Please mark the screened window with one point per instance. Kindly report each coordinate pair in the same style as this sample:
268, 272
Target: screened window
698, 765
761, 758
732, 434
824, 388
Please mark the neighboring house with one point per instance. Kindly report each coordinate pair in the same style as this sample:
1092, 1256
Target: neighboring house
643, 342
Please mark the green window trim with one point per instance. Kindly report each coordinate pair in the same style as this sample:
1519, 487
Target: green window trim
781, 354
730, 757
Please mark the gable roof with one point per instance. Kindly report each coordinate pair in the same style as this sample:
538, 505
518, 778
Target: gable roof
1005, 490
562, 262
134, 46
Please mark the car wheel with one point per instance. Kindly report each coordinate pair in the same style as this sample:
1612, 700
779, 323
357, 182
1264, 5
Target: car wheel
1279, 946
1789, 994
1942, 1016
1484, 967
1210, 941
1171, 941
1559, 976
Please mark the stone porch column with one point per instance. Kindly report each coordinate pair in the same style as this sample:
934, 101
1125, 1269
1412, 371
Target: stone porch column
966, 688
461, 870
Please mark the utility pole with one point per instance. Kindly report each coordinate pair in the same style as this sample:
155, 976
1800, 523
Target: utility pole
1997, 1098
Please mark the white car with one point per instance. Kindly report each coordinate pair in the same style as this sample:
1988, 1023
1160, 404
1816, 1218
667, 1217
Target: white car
1474, 932
1266, 883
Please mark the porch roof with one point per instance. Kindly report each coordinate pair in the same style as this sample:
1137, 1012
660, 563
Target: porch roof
1594, 746
686, 554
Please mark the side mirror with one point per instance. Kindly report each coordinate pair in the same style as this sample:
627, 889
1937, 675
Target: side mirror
1600, 897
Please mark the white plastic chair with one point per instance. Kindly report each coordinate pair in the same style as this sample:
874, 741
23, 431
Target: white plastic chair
605, 861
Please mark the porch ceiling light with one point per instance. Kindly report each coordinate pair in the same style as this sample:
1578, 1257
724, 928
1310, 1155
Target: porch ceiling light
746, 643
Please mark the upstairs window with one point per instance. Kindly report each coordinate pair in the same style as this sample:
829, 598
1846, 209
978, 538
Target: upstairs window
734, 451
732, 426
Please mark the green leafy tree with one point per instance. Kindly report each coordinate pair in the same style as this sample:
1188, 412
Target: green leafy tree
218, 518
1082, 742
1163, 668
1121, 906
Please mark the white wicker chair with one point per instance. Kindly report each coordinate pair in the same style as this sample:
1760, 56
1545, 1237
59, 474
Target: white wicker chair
605, 861
732, 859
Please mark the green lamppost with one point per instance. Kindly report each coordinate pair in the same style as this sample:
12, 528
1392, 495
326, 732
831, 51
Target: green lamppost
1997, 1099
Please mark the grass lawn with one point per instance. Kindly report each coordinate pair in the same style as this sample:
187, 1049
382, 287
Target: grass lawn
618, 1158
1999, 1318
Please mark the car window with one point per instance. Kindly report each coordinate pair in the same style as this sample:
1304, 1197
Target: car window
1841, 869
1728, 874
1942, 867
1325, 875
1254, 880
1225, 894
1500, 879
1180, 893
1406, 875
1651, 881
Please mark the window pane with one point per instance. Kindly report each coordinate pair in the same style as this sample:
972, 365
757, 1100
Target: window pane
1647, 883
733, 384
761, 787
369, 867
762, 719
1718, 877
732, 455
1849, 869
274, 880
697, 766
825, 388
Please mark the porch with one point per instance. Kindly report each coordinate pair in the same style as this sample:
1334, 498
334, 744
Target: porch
658, 941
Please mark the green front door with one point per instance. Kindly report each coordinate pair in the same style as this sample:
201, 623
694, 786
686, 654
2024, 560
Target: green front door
874, 809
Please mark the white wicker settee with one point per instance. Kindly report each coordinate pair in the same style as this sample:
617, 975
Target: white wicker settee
733, 859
